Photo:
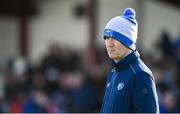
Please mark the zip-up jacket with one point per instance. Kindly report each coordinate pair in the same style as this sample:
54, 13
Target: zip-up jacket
130, 87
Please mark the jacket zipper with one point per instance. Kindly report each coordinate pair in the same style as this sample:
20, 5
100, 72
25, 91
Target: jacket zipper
107, 95
111, 96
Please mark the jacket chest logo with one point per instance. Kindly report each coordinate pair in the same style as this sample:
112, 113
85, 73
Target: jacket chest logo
120, 86
108, 84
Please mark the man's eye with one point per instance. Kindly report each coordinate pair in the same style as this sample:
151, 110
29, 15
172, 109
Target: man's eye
105, 38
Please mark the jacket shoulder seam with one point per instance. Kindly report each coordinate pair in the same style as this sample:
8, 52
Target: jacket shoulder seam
132, 69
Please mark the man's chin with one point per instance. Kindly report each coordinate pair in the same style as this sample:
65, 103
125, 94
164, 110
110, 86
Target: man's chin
112, 57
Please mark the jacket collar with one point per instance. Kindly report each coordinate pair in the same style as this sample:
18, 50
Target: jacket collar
126, 61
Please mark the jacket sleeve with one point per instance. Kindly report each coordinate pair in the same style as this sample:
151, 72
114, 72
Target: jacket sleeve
145, 98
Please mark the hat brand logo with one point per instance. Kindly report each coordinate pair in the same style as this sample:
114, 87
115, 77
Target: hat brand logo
109, 32
120, 86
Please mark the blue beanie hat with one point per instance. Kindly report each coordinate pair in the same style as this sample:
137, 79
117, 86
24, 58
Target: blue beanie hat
123, 28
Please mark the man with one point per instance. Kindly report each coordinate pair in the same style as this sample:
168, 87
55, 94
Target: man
130, 86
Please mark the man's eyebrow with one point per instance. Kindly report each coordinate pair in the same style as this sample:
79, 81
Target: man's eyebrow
106, 37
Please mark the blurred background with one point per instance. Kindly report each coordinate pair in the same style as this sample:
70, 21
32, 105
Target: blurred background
53, 58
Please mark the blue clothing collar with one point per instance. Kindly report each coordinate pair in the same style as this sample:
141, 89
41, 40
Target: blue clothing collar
126, 61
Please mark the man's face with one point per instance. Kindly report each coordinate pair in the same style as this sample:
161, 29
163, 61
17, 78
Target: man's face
115, 49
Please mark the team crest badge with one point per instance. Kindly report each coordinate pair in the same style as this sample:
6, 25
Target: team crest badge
120, 86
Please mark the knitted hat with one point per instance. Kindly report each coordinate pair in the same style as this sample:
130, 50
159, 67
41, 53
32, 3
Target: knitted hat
123, 28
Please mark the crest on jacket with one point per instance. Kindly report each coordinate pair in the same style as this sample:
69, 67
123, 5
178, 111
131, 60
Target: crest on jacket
120, 86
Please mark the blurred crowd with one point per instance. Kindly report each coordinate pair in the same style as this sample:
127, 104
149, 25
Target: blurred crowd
67, 80
167, 72
64, 80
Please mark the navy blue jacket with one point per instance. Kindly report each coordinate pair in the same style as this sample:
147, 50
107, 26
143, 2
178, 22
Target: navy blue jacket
130, 88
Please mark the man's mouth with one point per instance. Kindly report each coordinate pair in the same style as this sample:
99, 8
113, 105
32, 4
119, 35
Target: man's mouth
111, 51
